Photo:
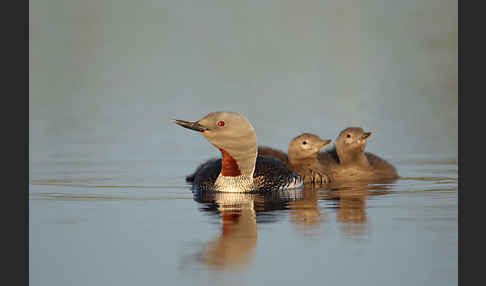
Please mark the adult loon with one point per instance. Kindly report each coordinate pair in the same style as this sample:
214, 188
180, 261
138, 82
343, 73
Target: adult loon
240, 169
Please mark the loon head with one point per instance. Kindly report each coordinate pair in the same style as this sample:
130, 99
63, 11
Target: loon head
233, 135
351, 143
305, 146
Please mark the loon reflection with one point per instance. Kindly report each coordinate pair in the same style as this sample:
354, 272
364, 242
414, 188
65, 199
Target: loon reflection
234, 248
236, 244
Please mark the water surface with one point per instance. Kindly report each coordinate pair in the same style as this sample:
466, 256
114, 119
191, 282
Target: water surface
85, 229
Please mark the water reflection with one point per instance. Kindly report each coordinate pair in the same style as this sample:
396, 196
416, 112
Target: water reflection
351, 204
350, 199
234, 247
305, 212
236, 244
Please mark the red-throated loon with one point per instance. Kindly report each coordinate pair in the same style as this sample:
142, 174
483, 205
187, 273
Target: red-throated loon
348, 161
302, 157
240, 169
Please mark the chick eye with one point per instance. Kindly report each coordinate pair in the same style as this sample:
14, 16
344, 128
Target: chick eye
305, 142
349, 135
220, 123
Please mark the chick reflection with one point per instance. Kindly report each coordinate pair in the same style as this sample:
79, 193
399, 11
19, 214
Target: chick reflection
235, 247
351, 204
305, 212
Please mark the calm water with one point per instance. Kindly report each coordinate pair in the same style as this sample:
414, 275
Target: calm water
108, 201
87, 228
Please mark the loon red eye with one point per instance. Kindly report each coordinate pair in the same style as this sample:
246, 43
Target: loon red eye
220, 123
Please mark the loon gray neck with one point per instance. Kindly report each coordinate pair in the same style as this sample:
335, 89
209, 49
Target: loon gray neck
238, 162
237, 170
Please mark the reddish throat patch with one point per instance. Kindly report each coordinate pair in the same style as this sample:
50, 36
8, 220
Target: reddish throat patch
229, 166
229, 220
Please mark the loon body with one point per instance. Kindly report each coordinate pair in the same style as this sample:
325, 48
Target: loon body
270, 175
239, 169
348, 161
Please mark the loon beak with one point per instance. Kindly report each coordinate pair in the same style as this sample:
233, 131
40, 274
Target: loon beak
366, 135
190, 125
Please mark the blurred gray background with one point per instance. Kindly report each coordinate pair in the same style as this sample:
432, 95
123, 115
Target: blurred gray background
108, 204
107, 76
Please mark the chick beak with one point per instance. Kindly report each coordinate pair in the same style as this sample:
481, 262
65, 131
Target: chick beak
325, 143
190, 125
366, 135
